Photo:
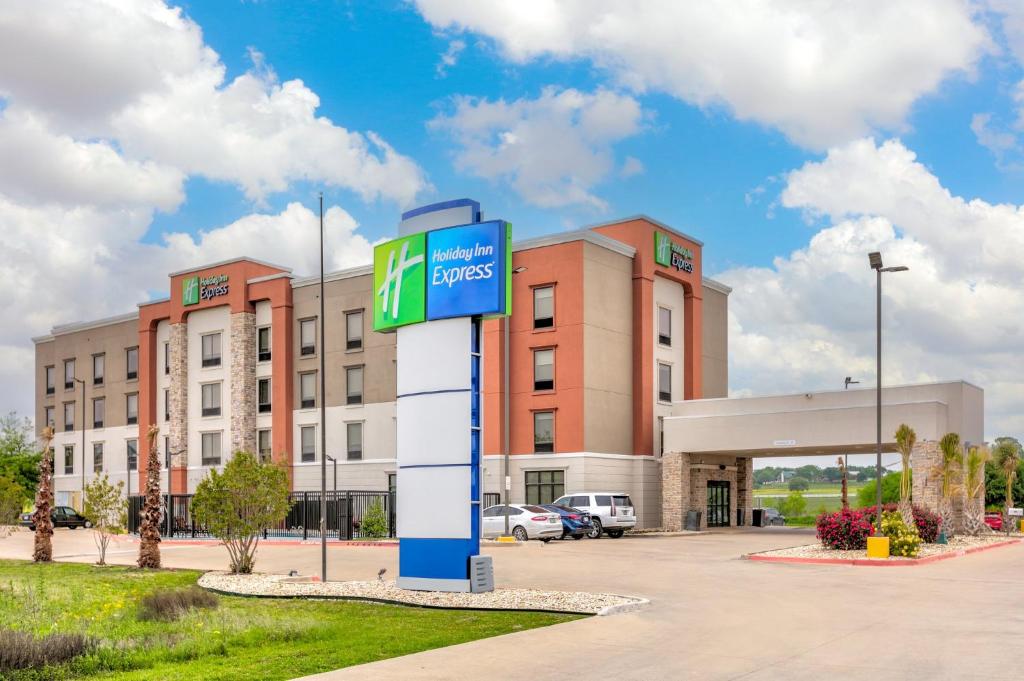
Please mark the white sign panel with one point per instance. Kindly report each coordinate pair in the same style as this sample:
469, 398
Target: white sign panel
784, 443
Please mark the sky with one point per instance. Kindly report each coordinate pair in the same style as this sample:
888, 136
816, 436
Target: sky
140, 137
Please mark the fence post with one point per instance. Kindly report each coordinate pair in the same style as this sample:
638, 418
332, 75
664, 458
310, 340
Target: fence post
305, 511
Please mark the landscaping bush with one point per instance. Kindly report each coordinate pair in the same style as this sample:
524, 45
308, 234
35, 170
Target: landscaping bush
903, 541
798, 484
168, 605
927, 522
19, 650
375, 523
844, 530
867, 494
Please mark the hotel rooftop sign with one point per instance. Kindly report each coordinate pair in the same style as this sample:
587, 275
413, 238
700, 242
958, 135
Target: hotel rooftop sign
670, 254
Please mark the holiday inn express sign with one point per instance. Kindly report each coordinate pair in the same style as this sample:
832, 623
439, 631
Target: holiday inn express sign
461, 271
194, 289
670, 254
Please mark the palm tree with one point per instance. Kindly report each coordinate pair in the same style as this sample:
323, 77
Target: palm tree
974, 488
949, 471
149, 528
43, 548
1007, 455
845, 488
905, 440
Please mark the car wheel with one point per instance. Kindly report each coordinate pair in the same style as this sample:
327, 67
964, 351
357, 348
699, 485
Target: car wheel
577, 536
87, 524
519, 532
595, 531
70, 527
615, 534
546, 539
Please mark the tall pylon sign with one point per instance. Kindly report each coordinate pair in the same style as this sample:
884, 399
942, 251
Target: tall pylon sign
432, 286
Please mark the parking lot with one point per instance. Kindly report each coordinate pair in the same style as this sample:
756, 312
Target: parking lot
712, 615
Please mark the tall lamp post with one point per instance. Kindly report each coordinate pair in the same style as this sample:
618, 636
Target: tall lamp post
323, 412
875, 259
82, 383
506, 443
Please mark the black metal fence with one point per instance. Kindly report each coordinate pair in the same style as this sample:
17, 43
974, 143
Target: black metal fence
491, 499
345, 513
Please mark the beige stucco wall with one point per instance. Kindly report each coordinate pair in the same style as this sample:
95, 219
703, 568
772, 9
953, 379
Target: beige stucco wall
607, 350
715, 338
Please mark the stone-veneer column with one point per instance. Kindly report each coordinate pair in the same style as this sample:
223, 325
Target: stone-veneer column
178, 405
926, 488
675, 490
243, 382
745, 487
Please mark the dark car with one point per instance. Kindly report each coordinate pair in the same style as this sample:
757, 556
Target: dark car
575, 523
773, 517
62, 516
994, 520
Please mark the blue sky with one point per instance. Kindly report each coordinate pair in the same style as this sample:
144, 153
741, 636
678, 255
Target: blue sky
791, 139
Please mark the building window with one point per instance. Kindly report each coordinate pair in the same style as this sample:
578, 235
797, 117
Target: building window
97, 369
354, 385
167, 452
48, 416
69, 459
543, 369
307, 390
211, 399
354, 330
263, 395
167, 358
167, 405
211, 449
132, 408
69, 374
354, 439
543, 487
50, 380
544, 431
665, 326
98, 409
69, 416
543, 307
263, 344
664, 382
211, 350
263, 445
97, 457
132, 362
308, 438
133, 455
307, 337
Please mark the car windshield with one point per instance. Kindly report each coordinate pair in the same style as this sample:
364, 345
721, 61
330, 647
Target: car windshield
622, 500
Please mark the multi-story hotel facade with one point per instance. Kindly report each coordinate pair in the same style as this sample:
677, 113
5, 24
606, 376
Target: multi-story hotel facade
611, 324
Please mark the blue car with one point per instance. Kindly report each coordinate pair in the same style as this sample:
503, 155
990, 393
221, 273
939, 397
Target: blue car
575, 523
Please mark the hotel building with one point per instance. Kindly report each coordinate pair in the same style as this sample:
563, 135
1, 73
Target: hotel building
611, 324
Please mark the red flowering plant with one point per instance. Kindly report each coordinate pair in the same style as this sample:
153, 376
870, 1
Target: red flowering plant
927, 522
846, 530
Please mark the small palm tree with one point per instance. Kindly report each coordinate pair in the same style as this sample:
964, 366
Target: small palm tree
43, 547
949, 471
1007, 455
906, 438
974, 488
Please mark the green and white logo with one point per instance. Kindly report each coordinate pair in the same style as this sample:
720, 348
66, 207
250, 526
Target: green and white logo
662, 249
190, 291
400, 282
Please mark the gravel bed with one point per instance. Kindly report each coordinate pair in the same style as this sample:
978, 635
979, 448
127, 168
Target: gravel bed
282, 586
958, 543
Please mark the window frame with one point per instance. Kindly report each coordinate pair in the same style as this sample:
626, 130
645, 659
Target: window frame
543, 384
50, 379
665, 340
307, 350
662, 395
130, 375
167, 404
50, 416
97, 377
211, 360
312, 457
264, 407
352, 399
544, 322
128, 445
167, 358
69, 424
69, 384
211, 411
264, 354
303, 402
353, 454
102, 402
131, 420
270, 445
544, 447
209, 460
354, 345
97, 448
69, 455
538, 485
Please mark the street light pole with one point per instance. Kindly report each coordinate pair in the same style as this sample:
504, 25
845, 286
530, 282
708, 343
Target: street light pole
506, 444
82, 383
875, 259
323, 411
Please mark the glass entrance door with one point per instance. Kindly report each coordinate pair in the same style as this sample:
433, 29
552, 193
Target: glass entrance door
718, 503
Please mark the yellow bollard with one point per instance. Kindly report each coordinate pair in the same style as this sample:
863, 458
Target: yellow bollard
878, 547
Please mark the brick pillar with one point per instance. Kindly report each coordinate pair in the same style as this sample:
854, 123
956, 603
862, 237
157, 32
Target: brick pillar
745, 487
178, 401
675, 490
699, 494
243, 382
926, 487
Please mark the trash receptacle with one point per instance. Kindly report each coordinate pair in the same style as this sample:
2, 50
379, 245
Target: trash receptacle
741, 517
758, 520
693, 521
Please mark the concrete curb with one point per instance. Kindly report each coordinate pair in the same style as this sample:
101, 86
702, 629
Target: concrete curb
864, 562
623, 607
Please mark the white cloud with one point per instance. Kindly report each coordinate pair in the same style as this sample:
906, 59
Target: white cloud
807, 321
822, 72
552, 150
450, 57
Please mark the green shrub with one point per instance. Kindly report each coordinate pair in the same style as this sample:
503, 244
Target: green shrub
19, 650
375, 523
798, 484
12, 498
168, 605
903, 541
890, 491
793, 506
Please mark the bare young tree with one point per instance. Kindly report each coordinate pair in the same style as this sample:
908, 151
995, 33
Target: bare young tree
43, 549
149, 527
105, 507
906, 438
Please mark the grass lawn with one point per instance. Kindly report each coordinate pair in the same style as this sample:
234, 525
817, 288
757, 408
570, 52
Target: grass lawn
781, 489
244, 638
814, 504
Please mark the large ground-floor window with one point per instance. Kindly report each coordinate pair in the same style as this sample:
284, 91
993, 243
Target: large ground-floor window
543, 487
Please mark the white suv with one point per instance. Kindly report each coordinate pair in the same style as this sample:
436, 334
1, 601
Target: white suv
610, 512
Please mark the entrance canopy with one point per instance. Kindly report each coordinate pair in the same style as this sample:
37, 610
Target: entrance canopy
835, 422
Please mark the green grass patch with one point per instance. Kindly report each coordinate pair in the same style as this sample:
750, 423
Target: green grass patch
777, 489
815, 505
243, 638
